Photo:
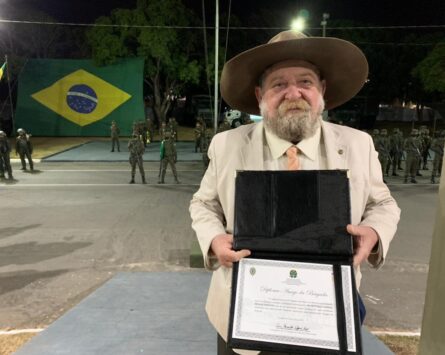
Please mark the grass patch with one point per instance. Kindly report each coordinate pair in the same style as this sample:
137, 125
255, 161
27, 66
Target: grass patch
401, 345
11, 343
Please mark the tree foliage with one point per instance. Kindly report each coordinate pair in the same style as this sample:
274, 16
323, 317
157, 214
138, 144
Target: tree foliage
431, 70
170, 58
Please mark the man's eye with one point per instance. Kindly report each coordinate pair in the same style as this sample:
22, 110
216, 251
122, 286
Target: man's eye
306, 82
279, 85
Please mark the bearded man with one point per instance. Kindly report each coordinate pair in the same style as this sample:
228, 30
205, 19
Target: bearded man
289, 81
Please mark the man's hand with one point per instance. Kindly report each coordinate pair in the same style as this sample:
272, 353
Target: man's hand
222, 248
365, 238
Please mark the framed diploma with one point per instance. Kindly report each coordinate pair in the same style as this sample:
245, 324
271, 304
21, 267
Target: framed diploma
296, 293
290, 306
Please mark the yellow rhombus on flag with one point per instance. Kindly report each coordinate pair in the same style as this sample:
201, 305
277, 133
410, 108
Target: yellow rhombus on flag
2, 70
81, 97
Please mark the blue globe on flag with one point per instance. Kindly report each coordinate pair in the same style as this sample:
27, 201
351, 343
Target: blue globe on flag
81, 98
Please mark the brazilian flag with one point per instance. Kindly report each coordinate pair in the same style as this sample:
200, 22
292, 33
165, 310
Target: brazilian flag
76, 98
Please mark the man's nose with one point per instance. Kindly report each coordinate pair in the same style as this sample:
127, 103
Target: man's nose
293, 92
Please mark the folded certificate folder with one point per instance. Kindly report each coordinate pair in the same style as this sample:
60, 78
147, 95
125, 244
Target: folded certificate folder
296, 293
303, 212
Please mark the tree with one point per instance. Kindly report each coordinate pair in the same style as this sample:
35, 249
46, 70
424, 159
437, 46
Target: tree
431, 70
169, 53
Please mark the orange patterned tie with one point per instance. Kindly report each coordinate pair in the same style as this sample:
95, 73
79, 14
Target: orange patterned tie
293, 162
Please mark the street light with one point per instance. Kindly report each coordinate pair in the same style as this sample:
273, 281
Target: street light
298, 24
324, 22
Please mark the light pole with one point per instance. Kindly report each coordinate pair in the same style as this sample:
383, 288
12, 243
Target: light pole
324, 22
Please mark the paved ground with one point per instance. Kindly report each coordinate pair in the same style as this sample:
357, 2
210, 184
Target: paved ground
71, 226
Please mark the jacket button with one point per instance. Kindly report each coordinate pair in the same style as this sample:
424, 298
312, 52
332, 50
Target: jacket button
340, 151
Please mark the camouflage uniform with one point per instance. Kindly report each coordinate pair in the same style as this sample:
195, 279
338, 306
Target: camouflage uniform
136, 149
23, 147
150, 130
412, 148
163, 130
168, 156
396, 151
198, 135
426, 144
206, 139
115, 131
383, 148
437, 146
5, 163
173, 125
224, 126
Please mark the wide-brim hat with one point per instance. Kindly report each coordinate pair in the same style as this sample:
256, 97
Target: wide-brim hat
342, 64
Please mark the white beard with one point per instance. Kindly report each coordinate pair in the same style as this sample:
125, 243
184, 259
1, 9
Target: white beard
293, 126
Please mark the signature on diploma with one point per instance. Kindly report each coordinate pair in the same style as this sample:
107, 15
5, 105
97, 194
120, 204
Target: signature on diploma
291, 327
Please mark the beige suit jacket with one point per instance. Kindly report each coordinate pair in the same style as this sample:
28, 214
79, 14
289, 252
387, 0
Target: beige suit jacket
212, 206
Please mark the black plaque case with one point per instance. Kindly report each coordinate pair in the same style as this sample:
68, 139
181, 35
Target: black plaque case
296, 216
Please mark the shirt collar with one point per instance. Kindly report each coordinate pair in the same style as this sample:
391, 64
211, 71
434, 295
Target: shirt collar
308, 146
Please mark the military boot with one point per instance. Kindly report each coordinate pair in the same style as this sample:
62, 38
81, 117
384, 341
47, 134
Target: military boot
143, 180
161, 180
413, 181
405, 181
433, 180
132, 180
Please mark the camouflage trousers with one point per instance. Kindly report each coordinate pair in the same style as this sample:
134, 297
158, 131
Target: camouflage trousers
437, 165
137, 160
5, 165
165, 162
411, 165
115, 142
26, 154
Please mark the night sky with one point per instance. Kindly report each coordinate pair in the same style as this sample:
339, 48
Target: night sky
376, 12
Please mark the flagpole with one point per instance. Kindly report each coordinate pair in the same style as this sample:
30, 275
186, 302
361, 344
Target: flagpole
216, 106
10, 93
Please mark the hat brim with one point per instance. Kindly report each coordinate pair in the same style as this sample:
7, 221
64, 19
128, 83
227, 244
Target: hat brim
341, 64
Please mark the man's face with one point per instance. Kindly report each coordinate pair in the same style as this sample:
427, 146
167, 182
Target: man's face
291, 100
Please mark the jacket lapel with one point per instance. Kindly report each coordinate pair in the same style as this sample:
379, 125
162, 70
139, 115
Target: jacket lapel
252, 152
336, 149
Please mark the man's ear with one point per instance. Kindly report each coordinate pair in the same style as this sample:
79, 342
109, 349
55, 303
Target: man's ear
258, 94
323, 86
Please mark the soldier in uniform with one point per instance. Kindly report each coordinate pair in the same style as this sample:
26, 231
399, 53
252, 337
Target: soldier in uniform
224, 126
401, 139
206, 139
396, 150
115, 131
382, 146
198, 135
5, 163
173, 125
412, 148
150, 129
23, 147
136, 149
426, 144
163, 130
437, 146
168, 156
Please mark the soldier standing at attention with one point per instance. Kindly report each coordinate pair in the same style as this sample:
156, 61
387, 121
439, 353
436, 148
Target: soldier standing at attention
115, 131
437, 146
162, 130
168, 156
396, 148
5, 163
198, 137
426, 144
382, 147
173, 125
206, 139
136, 149
413, 156
23, 147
